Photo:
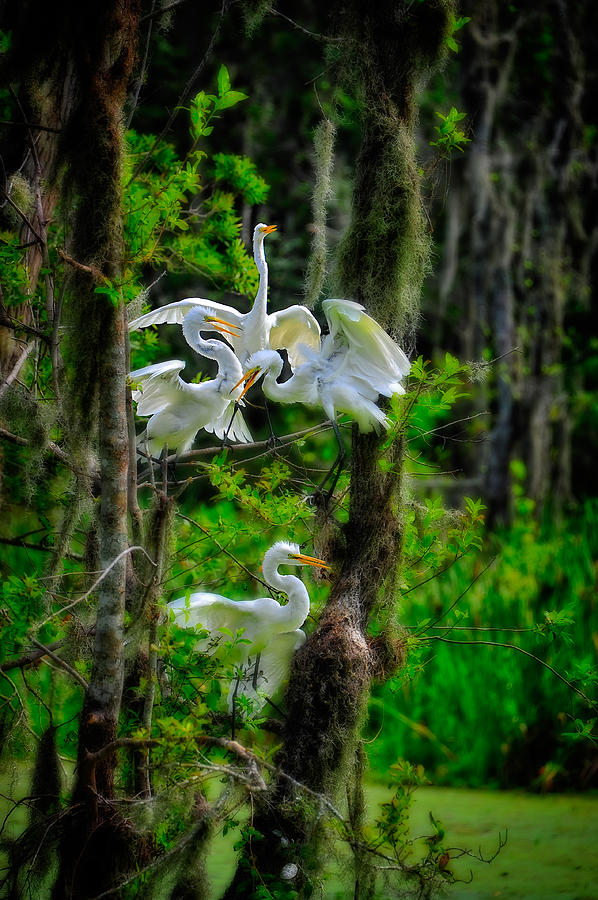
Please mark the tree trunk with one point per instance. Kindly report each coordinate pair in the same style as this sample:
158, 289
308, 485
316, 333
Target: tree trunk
103, 62
381, 263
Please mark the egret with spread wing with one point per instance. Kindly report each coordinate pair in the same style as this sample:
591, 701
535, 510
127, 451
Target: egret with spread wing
290, 328
273, 631
179, 409
355, 364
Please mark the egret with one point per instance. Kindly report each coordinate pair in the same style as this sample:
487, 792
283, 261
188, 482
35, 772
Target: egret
271, 632
291, 328
179, 409
355, 364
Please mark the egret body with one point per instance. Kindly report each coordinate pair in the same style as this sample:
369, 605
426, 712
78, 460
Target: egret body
291, 328
178, 409
273, 630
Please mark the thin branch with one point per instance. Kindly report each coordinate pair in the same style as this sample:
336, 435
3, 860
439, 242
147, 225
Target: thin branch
17, 367
27, 659
95, 273
437, 637
222, 549
163, 9
13, 438
185, 92
7, 321
20, 212
30, 125
191, 455
143, 68
84, 596
313, 34
459, 598
47, 651
28, 545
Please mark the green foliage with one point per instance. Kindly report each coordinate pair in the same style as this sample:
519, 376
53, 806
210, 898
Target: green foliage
449, 136
456, 24
164, 226
537, 596
12, 269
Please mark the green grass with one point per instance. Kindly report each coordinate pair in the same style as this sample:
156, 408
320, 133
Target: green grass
483, 715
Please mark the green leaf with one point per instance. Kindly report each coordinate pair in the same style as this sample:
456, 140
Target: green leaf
231, 98
223, 81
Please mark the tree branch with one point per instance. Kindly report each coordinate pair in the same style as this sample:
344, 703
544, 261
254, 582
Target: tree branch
47, 651
27, 659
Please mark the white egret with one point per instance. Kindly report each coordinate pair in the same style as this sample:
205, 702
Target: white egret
356, 363
272, 630
291, 328
178, 409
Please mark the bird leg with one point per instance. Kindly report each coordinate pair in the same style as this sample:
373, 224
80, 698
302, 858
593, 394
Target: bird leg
335, 469
274, 706
234, 703
256, 672
272, 440
229, 426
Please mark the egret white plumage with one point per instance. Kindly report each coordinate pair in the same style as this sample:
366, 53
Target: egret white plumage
273, 631
290, 328
355, 364
178, 409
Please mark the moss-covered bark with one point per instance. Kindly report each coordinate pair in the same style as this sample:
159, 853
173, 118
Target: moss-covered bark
102, 57
382, 260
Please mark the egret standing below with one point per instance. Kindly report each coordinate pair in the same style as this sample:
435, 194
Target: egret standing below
273, 630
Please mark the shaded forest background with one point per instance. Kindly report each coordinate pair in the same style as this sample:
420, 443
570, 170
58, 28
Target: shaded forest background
512, 218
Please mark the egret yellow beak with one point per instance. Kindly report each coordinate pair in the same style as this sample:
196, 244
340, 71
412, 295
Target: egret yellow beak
309, 560
235, 332
269, 229
249, 378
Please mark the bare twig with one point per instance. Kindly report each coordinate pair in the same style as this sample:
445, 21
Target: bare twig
186, 90
222, 549
31, 125
47, 651
84, 596
437, 637
81, 267
27, 659
11, 377
20, 212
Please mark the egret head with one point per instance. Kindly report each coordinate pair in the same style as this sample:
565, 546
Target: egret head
286, 553
257, 365
262, 230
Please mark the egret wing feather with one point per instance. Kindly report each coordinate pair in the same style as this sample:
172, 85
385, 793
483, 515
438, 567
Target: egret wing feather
174, 313
294, 329
350, 323
157, 385
273, 668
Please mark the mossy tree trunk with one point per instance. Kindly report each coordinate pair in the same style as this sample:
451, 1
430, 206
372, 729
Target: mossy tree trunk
96, 843
386, 50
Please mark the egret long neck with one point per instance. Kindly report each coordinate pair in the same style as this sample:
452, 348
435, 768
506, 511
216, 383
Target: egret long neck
260, 304
296, 610
229, 367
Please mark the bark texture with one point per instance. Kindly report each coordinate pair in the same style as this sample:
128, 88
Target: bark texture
103, 54
381, 263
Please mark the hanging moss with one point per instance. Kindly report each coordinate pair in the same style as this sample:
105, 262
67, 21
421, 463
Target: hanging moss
254, 13
384, 255
315, 275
